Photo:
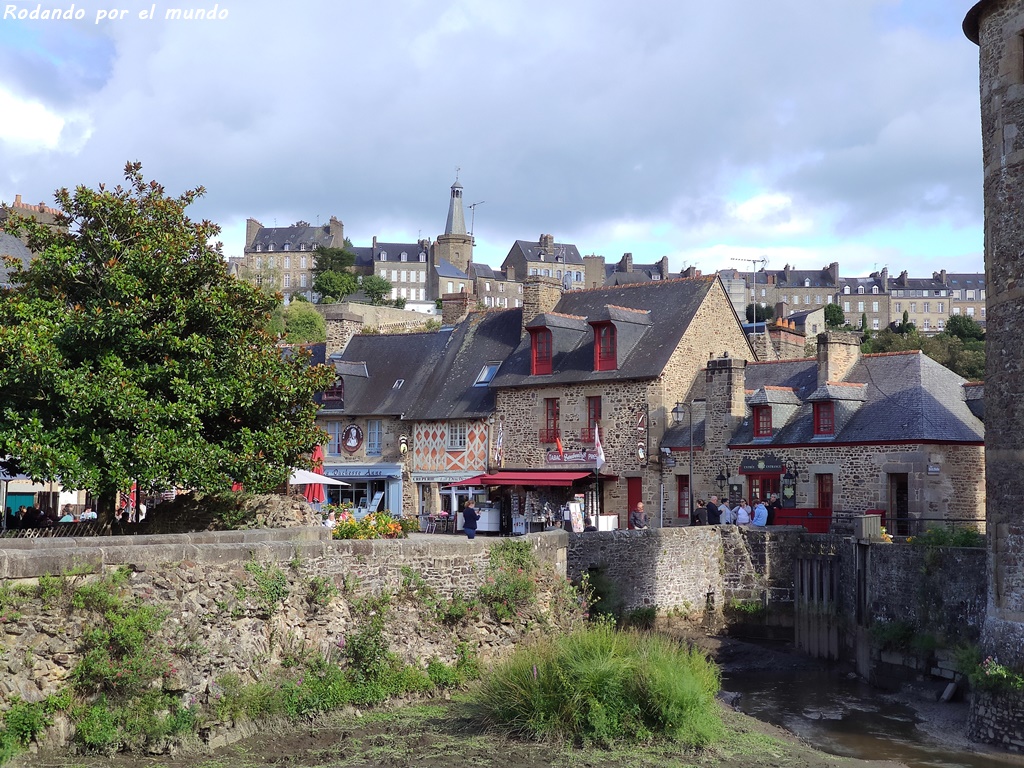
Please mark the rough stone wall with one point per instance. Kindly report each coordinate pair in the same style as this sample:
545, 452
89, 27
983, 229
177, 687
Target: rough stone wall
689, 569
346, 319
941, 591
837, 353
197, 578
861, 477
540, 294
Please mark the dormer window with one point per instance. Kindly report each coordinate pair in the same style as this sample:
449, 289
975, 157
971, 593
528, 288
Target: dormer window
302, 246
423, 257
846, 289
404, 256
540, 339
259, 247
762, 421
287, 246
807, 282
874, 289
270, 247
486, 374
824, 418
860, 289
334, 396
605, 357
383, 255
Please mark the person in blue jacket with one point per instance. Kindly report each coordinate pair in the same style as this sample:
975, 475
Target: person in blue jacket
760, 514
469, 518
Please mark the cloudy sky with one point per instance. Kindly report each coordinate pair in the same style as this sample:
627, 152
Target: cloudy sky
711, 132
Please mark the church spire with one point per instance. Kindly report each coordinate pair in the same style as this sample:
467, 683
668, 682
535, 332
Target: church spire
456, 224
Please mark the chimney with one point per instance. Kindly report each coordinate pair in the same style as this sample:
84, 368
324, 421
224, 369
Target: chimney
691, 272
885, 279
787, 269
781, 310
17, 201
337, 232
725, 380
663, 268
547, 244
454, 307
942, 277
626, 263
252, 228
838, 352
540, 294
833, 273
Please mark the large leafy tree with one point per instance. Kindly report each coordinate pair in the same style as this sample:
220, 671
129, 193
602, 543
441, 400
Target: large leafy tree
128, 353
376, 289
834, 316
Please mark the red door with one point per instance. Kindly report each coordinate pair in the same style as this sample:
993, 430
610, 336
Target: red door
634, 494
683, 496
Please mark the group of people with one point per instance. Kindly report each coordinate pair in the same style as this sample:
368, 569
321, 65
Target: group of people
715, 513
34, 517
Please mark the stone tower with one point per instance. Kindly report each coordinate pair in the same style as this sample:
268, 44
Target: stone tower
996, 26
455, 246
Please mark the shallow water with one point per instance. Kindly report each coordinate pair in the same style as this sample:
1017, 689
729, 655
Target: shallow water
847, 717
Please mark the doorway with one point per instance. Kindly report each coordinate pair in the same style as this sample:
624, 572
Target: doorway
761, 487
683, 496
899, 503
634, 494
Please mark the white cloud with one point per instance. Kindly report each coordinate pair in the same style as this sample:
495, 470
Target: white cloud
28, 125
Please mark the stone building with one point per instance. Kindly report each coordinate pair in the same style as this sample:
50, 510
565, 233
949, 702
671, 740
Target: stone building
996, 26
607, 364
865, 299
281, 258
844, 433
545, 258
16, 247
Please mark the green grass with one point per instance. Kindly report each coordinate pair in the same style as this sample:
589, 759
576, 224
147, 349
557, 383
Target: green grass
599, 685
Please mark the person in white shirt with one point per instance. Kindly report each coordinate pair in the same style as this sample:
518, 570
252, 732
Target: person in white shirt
726, 512
741, 513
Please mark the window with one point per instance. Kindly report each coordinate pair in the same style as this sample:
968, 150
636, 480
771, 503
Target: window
546, 273
824, 491
374, 437
336, 430
807, 299
942, 325
302, 279
287, 281
762, 421
533, 270
587, 434
970, 295
549, 433
983, 313
860, 306
287, 261
874, 323
605, 358
487, 287
423, 257
302, 247
874, 289
846, 306
394, 276
486, 374
334, 396
824, 418
270, 247
860, 290
302, 262
942, 307
404, 256
970, 311
520, 290
927, 306
579, 277
899, 306
405, 276
270, 261
398, 384
259, 248
956, 310
807, 282
501, 288
383, 255
451, 287
817, 299
259, 262
287, 246
456, 436
913, 307
846, 289
541, 338
874, 306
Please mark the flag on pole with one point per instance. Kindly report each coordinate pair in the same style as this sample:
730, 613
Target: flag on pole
598, 447
558, 445
499, 443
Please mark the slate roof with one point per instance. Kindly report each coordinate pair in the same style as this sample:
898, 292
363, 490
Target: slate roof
904, 397
439, 370
298, 234
363, 254
394, 252
483, 337
410, 357
446, 269
668, 305
532, 252
12, 246
966, 281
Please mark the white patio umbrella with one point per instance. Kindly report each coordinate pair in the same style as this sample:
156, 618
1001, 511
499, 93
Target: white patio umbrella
305, 477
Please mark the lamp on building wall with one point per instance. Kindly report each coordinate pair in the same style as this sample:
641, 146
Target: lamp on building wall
791, 470
723, 479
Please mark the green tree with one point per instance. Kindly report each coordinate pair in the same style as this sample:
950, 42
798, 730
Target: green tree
376, 289
333, 259
128, 353
964, 328
334, 286
834, 316
757, 313
298, 323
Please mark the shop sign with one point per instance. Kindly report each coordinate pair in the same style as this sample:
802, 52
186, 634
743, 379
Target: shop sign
769, 463
345, 472
352, 438
434, 477
934, 469
584, 456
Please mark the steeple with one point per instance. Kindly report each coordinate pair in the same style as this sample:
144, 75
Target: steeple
456, 224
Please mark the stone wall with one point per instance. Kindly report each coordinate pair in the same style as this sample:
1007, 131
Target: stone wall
197, 579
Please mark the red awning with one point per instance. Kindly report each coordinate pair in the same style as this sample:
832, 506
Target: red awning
526, 478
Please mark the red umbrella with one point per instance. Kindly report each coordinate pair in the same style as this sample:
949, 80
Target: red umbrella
315, 491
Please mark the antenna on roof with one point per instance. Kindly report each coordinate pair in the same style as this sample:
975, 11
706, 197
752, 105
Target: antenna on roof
763, 261
472, 216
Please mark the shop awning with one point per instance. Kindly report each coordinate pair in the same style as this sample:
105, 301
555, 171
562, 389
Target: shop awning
526, 478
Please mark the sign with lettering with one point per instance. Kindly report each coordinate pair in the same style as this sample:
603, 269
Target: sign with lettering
768, 464
582, 456
346, 472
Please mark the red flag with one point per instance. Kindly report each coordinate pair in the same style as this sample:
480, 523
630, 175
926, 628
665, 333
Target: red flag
558, 445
